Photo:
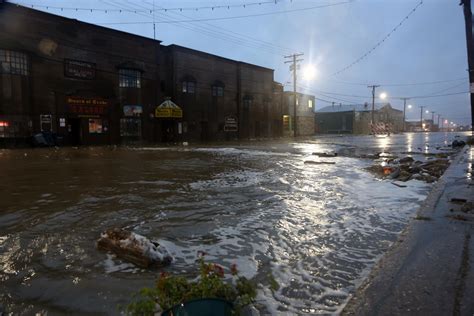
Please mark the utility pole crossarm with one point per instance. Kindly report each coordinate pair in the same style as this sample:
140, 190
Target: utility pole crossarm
294, 67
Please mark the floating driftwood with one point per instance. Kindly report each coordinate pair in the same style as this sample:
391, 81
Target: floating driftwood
311, 162
134, 248
325, 154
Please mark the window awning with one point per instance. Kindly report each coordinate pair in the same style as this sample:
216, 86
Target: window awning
168, 109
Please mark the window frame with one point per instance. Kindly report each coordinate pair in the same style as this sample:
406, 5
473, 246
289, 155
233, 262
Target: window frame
188, 86
14, 62
127, 78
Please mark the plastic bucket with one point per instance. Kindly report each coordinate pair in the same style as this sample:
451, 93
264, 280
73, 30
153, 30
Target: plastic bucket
201, 307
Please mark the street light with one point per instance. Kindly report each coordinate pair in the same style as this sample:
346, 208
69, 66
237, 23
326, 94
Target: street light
309, 72
383, 96
409, 106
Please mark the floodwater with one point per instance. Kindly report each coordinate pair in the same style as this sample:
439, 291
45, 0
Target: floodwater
315, 229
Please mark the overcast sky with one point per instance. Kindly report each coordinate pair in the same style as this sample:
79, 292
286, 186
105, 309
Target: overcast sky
428, 47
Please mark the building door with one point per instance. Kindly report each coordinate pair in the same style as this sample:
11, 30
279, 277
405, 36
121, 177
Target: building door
204, 131
75, 131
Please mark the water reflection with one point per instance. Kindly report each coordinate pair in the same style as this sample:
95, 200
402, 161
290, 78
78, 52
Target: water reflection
317, 229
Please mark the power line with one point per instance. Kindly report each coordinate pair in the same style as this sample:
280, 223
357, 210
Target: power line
206, 31
402, 84
231, 17
239, 35
380, 42
229, 6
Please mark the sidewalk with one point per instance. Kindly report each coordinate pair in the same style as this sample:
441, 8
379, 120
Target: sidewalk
430, 269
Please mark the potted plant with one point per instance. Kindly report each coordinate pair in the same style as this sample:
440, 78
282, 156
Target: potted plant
208, 295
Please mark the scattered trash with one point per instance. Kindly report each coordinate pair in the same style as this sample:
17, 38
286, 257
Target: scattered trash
134, 248
311, 162
405, 169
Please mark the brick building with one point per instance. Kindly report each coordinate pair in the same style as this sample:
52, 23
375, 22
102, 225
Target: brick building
304, 114
356, 118
94, 85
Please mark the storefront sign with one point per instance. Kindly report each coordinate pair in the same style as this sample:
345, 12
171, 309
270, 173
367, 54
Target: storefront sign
46, 123
132, 110
162, 112
231, 124
87, 106
79, 69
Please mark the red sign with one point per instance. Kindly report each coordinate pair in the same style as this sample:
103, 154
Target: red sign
87, 106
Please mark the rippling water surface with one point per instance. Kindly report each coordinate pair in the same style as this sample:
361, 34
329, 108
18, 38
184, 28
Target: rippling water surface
317, 229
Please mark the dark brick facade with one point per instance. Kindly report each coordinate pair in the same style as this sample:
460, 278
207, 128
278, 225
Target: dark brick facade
95, 85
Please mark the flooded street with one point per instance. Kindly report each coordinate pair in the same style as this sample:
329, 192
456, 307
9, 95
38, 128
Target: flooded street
315, 229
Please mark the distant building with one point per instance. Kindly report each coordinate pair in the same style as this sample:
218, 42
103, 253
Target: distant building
304, 114
95, 85
356, 118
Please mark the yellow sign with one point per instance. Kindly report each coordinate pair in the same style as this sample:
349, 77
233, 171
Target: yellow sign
168, 110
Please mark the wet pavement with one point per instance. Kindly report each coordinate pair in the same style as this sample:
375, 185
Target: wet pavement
316, 229
430, 270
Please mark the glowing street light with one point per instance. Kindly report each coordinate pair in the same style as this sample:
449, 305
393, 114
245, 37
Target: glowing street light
427, 112
383, 96
409, 106
309, 72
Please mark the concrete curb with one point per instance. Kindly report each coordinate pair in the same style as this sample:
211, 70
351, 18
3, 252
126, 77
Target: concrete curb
427, 270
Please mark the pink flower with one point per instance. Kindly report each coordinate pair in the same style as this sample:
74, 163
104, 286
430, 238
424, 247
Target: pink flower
233, 269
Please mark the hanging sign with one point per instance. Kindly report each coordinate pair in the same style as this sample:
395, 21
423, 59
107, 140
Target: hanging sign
231, 124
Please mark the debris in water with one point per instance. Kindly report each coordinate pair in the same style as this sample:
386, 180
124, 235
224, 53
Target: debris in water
311, 162
134, 248
326, 155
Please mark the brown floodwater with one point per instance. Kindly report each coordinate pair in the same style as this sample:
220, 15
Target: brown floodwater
316, 229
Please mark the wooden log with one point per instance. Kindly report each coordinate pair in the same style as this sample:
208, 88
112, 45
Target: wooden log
134, 248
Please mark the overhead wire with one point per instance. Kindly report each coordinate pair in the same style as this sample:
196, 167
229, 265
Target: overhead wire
211, 33
286, 50
212, 7
232, 17
379, 42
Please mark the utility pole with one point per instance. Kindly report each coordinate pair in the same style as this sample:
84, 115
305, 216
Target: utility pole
470, 52
432, 120
294, 67
421, 117
372, 121
438, 122
404, 110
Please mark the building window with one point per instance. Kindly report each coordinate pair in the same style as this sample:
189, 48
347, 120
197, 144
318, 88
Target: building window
129, 78
217, 91
95, 126
310, 104
14, 63
130, 127
247, 103
188, 87
4, 129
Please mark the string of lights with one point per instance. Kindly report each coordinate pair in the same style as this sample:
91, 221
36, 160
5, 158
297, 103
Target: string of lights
380, 42
401, 84
231, 17
240, 40
213, 7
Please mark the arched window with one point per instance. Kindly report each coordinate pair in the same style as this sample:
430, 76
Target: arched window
217, 89
188, 85
129, 78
